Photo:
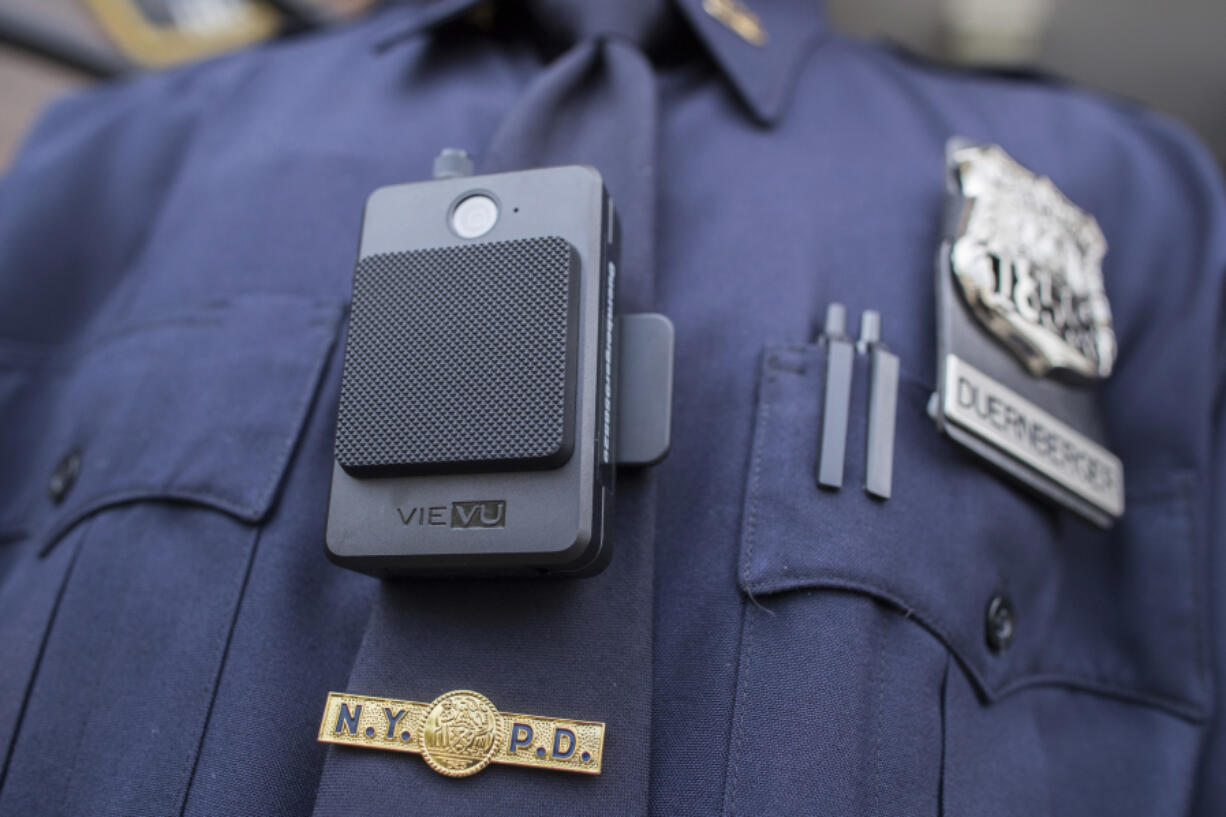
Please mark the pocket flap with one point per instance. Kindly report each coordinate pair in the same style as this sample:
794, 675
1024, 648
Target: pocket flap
203, 406
1118, 612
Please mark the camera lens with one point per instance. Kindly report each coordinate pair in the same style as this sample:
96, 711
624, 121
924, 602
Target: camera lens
474, 216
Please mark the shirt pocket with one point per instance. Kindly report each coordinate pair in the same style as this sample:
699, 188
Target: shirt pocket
867, 621
116, 612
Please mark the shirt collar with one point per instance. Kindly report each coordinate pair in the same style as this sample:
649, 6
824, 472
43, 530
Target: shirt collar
764, 75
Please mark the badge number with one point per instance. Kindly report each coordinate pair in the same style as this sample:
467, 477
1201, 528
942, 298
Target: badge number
460, 733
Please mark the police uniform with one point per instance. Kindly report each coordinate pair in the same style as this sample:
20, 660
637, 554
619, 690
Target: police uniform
176, 254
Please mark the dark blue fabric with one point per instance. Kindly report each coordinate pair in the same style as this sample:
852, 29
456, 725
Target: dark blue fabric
1020, 756
828, 719
1149, 649
168, 441
175, 251
294, 637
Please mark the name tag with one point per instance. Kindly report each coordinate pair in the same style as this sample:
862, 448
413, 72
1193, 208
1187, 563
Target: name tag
1020, 429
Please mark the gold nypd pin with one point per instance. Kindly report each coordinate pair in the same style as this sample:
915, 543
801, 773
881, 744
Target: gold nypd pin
459, 733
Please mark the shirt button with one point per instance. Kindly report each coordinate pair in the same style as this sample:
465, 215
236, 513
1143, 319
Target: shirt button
64, 475
1000, 623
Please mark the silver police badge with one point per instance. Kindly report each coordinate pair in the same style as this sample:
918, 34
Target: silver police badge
1019, 281
1028, 263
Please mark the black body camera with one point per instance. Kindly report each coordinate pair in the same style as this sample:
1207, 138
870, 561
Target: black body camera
476, 432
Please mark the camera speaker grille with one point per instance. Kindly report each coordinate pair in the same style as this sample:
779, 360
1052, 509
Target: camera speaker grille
460, 358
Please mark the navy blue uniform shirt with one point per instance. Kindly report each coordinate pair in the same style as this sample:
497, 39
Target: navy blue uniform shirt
175, 260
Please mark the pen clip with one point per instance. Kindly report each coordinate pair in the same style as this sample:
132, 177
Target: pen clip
882, 406
836, 398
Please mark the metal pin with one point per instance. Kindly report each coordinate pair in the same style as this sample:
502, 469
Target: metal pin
836, 398
452, 163
870, 330
882, 406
